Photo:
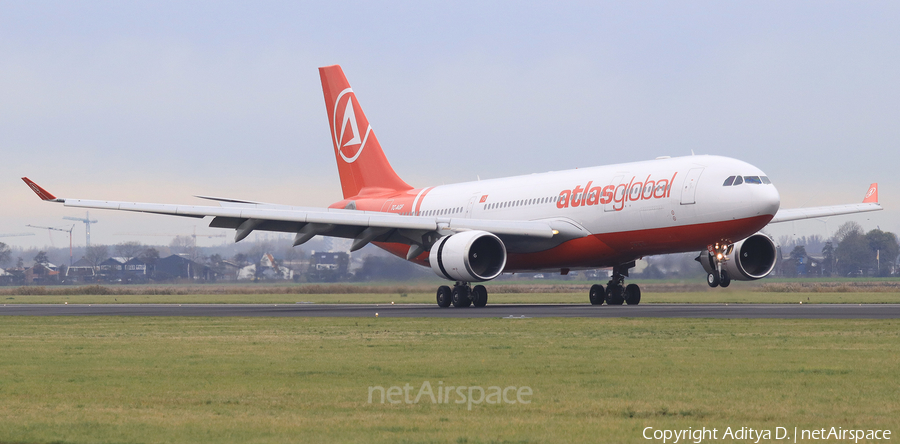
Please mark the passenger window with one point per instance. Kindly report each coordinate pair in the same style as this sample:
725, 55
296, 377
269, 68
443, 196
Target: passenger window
728, 181
765, 180
753, 179
738, 180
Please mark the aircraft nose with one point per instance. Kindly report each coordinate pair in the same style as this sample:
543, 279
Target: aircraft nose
766, 199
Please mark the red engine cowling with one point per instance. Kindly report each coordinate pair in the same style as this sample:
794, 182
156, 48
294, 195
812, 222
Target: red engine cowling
750, 259
470, 256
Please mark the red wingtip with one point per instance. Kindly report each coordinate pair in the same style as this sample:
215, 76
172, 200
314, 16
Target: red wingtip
42, 193
872, 194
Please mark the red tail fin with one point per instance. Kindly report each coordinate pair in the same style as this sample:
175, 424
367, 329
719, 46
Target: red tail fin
362, 164
872, 194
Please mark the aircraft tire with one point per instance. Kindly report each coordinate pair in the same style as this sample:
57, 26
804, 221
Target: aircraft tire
632, 294
725, 280
614, 295
712, 279
443, 296
479, 296
597, 294
460, 297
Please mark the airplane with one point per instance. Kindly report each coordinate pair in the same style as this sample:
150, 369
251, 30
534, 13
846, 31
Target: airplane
587, 218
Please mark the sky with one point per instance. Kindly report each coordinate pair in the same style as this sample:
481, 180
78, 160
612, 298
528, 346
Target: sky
160, 101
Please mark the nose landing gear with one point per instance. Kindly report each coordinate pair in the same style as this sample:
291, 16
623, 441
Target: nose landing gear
718, 255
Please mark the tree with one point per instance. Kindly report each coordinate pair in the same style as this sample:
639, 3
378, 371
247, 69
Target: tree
96, 254
798, 253
828, 252
240, 259
847, 229
852, 253
150, 256
5, 253
798, 259
883, 245
41, 258
129, 250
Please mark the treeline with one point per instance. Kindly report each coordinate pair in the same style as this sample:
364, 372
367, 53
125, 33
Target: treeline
851, 252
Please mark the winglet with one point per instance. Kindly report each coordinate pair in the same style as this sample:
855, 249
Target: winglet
872, 194
42, 193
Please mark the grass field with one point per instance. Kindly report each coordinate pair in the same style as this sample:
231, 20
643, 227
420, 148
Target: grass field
111, 379
648, 297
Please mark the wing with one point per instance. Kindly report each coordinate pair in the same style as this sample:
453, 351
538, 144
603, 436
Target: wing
362, 226
870, 203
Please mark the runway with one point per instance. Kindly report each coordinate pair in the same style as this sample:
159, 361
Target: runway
735, 311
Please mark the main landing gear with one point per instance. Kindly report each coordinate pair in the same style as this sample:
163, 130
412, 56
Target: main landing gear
718, 254
462, 295
617, 292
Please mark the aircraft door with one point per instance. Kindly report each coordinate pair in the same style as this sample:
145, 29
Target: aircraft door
470, 205
689, 187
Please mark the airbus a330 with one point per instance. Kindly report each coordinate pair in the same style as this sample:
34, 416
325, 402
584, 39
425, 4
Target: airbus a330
588, 218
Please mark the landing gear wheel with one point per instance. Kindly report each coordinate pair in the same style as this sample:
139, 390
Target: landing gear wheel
712, 279
460, 296
615, 295
479, 296
597, 294
725, 279
632, 294
443, 296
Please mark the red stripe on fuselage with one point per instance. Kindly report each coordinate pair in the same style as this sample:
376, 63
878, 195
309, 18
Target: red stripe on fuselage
608, 249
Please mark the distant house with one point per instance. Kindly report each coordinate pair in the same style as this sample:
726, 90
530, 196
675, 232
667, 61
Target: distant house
178, 267
328, 266
12, 276
80, 271
110, 269
135, 270
226, 270
41, 274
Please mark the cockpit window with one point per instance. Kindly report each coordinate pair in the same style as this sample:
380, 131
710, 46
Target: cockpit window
753, 180
738, 181
765, 180
728, 181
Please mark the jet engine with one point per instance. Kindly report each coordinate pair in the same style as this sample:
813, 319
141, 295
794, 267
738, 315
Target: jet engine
469, 256
750, 259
